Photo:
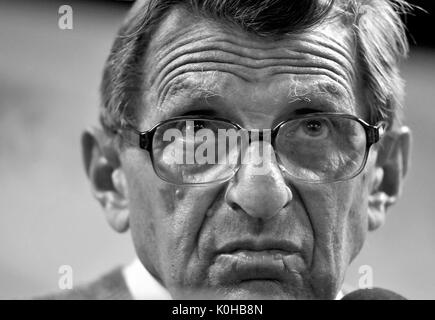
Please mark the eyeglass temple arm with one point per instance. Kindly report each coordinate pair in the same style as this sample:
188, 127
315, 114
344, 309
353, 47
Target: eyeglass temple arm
375, 133
136, 138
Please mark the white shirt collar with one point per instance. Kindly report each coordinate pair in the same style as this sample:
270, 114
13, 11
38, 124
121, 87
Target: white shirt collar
340, 295
143, 286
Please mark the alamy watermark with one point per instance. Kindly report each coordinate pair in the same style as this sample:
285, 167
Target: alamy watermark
366, 279
66, 279
228, 147
65, 21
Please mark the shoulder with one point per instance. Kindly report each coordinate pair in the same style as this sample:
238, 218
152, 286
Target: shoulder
111, 286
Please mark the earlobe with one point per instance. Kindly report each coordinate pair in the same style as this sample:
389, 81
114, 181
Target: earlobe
121, 214
377, 202
390, 170
107, 179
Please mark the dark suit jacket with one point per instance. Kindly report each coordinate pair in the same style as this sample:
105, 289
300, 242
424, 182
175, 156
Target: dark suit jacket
110, 286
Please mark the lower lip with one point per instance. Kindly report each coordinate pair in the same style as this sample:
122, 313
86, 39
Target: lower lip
267, 265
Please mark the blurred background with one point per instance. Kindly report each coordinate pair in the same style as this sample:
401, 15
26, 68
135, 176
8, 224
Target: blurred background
49, 81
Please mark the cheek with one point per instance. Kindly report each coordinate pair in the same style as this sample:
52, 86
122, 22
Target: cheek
337, 212
357, 219
165, 222
338, 216
182, 255
144, 214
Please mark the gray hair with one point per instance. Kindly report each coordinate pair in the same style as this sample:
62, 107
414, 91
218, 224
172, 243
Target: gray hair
379, 35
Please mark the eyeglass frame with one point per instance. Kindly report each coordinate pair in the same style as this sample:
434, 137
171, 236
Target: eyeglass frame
373, 134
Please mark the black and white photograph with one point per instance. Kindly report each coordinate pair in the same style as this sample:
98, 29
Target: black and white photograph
224, 150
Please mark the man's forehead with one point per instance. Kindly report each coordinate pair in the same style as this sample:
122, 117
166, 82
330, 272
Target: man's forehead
181, 25
198, 54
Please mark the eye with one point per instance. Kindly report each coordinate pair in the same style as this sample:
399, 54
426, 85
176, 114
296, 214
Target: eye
199, 124
192, 125
313, 129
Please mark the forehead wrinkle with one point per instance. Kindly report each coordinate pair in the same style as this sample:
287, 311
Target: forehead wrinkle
214, 54
172, 41
341, 48
180, 29
245, 68
209, 48
208, 58
343, 62
244, 74
170, 54
167, 38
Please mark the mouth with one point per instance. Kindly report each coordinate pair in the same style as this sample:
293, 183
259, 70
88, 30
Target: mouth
244, 261
272, 246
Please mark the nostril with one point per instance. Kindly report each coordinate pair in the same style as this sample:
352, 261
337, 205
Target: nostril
234, 206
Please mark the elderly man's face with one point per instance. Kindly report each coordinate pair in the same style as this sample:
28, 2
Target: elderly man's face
255, 236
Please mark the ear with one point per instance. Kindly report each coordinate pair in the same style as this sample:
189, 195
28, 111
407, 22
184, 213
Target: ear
109, 185
390, 169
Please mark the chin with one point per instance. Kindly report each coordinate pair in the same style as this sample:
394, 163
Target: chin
266, 290
251, 290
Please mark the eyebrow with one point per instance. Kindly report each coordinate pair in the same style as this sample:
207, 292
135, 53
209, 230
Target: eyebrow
218, 108
194, 88
198, 103
323, 93
315, 103
196, 99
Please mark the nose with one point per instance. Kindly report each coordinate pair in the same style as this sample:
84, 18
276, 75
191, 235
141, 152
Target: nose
259, 190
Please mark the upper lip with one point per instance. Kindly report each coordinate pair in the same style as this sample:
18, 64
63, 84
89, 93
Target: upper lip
258, 245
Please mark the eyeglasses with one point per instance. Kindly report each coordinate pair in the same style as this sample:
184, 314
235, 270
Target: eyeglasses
313, 148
